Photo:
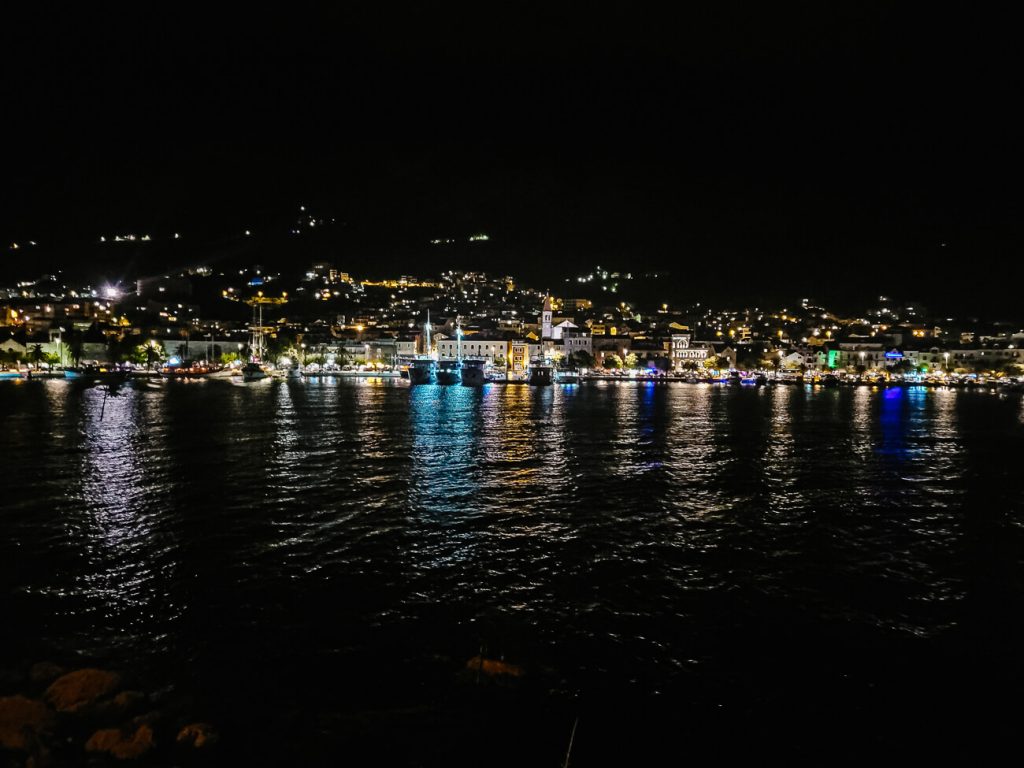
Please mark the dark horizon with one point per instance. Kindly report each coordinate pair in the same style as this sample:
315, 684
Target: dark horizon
304, 514
827, 153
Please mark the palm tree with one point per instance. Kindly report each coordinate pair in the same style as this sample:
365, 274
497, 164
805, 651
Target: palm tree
152, 355
582, 359
37, 354
612, 361
75, 346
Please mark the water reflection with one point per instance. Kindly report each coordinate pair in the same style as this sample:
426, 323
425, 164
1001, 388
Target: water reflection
111, 518
625, 534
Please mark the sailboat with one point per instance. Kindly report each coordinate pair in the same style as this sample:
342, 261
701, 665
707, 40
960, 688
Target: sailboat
421, 370
253, 370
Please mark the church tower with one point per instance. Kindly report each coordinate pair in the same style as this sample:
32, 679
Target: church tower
545, 319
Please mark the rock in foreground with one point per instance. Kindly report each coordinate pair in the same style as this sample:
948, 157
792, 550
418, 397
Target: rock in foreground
120, 744
80, 688
494, 667
22, 721
198, 735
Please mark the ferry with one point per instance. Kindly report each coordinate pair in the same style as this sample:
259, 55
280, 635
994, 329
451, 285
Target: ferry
473, 373
422, 368
421, 371
449, 371
541, 375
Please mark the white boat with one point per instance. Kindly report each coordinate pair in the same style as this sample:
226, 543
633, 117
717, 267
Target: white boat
253, 372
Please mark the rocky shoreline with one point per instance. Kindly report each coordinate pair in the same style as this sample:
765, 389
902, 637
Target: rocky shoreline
91, 715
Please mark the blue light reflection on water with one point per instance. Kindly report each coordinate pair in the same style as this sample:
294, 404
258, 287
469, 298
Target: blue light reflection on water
621, 533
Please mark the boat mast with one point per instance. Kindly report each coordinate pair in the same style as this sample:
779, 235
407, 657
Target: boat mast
426, 330
260, 332
253, 339
257, 343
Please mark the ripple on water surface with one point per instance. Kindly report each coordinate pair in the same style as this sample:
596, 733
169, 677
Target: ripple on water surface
621, 534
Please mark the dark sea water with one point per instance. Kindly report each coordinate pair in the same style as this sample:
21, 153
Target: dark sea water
713, 572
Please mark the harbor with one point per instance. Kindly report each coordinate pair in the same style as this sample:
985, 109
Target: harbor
386, 534
455, 373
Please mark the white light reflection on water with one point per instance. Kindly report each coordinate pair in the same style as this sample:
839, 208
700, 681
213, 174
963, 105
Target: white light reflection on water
635, 526
113, 519
780, 463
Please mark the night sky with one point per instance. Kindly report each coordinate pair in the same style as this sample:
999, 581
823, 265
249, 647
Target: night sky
756, 156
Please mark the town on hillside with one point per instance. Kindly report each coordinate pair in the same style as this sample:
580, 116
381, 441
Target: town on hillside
323, 319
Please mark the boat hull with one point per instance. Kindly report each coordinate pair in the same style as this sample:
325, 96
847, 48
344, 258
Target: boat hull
473, 376
253, 372
449, 372
541, 376
421, 374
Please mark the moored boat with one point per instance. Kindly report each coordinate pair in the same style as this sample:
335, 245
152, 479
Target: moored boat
541, 374
421, 371
95, 373
253, 372
473, 373
449, 372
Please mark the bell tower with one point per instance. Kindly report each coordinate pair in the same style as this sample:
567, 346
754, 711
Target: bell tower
545, 319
